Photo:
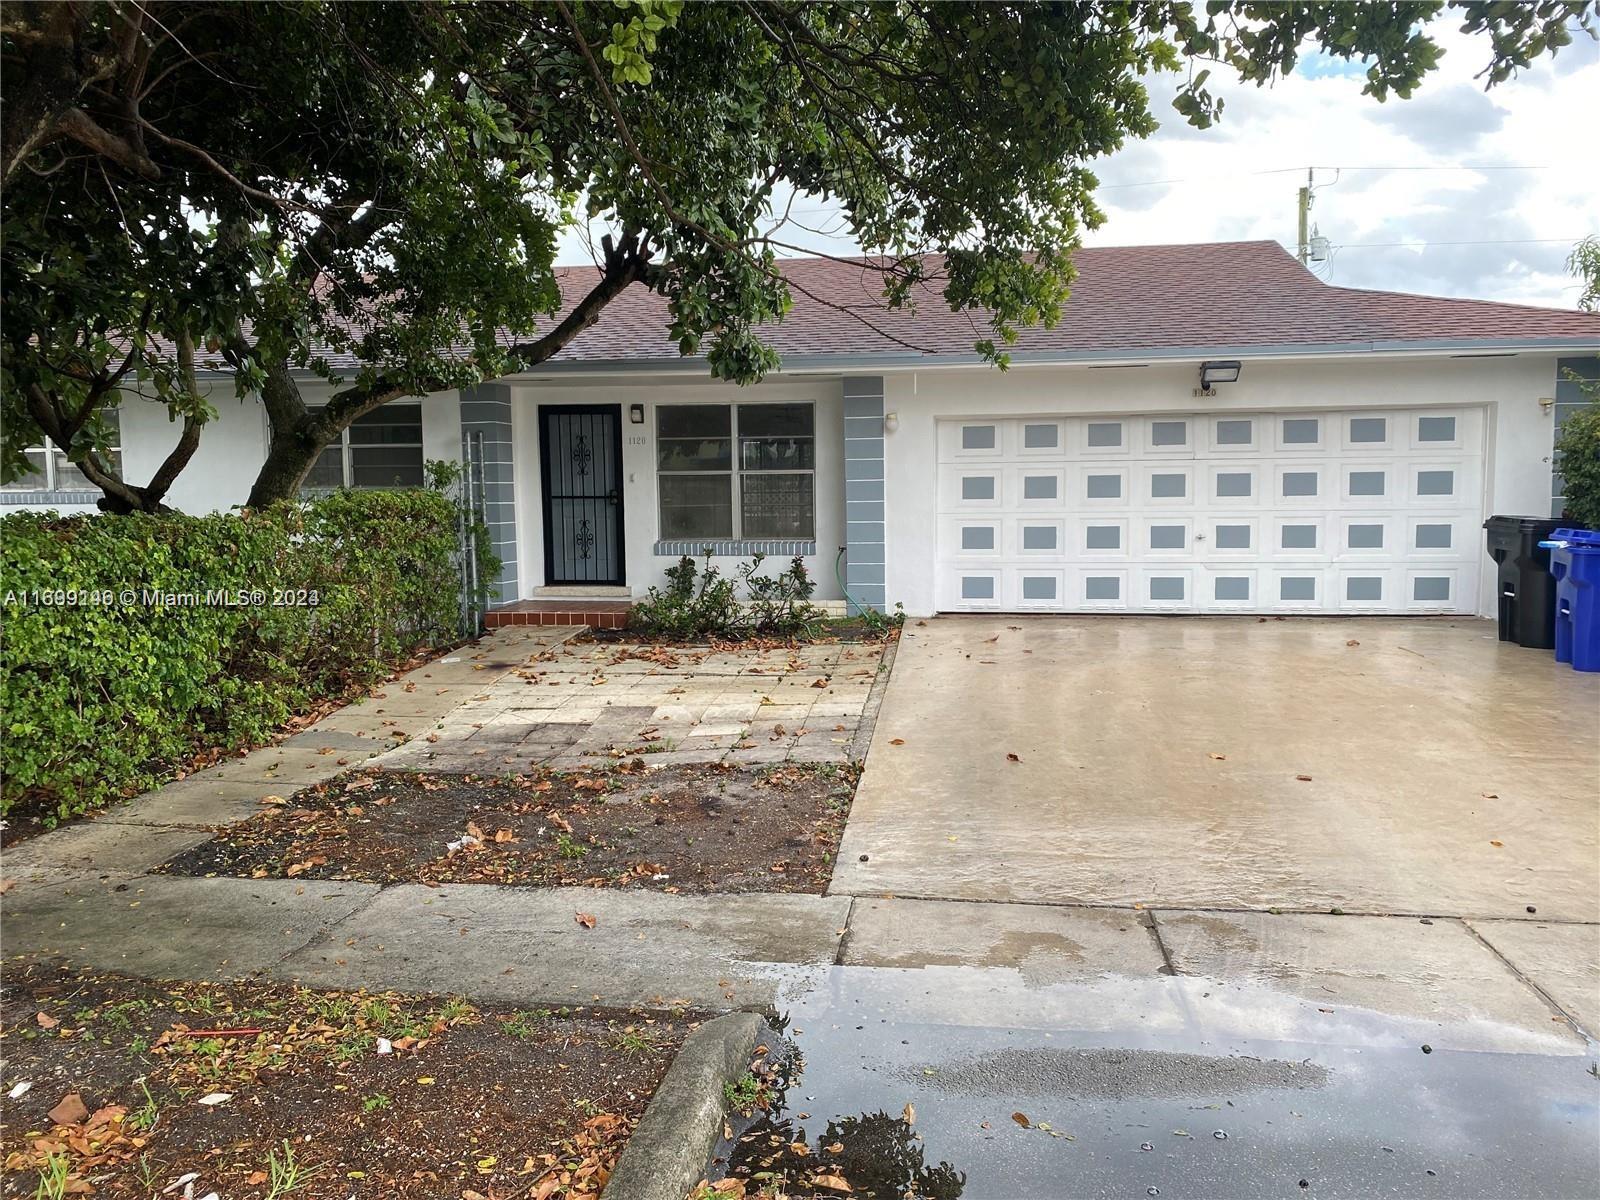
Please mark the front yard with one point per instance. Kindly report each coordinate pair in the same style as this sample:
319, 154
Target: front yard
126, 1088
709, 827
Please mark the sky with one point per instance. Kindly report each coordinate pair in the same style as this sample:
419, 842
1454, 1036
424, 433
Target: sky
1446, 224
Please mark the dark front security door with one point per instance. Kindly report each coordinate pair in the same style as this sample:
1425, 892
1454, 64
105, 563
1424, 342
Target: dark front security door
581, 460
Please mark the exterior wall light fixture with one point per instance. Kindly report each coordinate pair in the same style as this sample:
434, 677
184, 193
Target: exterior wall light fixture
1213, 373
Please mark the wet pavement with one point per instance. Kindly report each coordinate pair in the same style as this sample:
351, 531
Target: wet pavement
1171, 1087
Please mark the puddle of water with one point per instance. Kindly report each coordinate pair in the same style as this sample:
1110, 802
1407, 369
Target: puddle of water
1184, 1086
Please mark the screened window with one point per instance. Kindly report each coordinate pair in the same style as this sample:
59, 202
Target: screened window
381, 449
52, 471
736, 471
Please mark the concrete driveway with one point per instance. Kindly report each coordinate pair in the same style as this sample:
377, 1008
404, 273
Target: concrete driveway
1369, 766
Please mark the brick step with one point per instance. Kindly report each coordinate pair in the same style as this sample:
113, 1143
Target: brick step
597, 614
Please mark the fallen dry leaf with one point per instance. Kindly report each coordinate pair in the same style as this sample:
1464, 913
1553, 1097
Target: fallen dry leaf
1218, 757
1303, 778
45, 1020
1352, 642
834, 1183
69, 1111
909, 1115
6, 885
584, 919
1022, 1119
897, 741
1013, 758
1493, 842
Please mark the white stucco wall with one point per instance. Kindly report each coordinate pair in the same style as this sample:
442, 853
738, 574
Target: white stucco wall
234, 445
641, 523
1520, 429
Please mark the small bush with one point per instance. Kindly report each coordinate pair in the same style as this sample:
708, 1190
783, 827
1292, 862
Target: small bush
127, 648
698, 602
1578, 460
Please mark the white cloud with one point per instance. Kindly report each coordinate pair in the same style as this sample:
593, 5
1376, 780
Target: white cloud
1454, 228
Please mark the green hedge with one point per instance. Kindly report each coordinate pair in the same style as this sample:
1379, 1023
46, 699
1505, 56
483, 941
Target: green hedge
102, 697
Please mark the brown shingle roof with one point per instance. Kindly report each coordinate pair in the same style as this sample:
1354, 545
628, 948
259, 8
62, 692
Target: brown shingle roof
1127, 299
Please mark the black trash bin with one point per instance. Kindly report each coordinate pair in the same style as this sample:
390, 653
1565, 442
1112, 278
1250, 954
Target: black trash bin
1527, 589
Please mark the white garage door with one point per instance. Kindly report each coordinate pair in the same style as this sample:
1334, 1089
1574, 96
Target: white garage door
1357, 512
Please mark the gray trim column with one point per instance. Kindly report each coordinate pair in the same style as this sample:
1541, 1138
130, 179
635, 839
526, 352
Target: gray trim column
1569, 399
486, 409
863, 491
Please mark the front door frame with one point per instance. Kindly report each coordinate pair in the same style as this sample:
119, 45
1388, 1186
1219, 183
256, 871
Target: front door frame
545, 480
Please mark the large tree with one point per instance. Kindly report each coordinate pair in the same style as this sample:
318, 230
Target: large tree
257, 181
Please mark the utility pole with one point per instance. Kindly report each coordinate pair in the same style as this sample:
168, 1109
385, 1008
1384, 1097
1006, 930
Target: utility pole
1305, 214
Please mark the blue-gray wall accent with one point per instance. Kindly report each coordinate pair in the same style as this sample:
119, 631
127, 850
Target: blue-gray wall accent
486, 409
863, 490
1569, 399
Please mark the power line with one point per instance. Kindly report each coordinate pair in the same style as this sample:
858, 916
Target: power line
1109, 187
1475, 242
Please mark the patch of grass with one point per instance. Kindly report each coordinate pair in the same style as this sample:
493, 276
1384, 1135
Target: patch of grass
525, 1024
143, 1119
638, 1042
455, 1009
745, 1095
375, 1103
566, 847
377, 1012
285, 1174
53, 1178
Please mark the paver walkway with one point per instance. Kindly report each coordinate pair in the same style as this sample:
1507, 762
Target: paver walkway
578, 704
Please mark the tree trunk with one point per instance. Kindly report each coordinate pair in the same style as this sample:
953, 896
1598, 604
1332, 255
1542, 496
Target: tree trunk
290, 457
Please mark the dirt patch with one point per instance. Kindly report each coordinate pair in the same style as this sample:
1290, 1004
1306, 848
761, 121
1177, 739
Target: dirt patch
690, 828
344, 1094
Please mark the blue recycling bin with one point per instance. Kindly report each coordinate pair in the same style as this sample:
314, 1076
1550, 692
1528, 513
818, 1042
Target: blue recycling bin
1575, 564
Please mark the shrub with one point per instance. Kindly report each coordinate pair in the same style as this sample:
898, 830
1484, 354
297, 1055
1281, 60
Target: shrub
1578, 460
157, 659
698, 602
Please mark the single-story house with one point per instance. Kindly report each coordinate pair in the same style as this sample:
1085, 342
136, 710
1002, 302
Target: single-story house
1209, 429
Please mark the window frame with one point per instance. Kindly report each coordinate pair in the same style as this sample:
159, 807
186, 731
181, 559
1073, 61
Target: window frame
53, 454
736, 472
347, 458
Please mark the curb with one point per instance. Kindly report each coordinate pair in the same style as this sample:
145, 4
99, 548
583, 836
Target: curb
669, 1149
862, 742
